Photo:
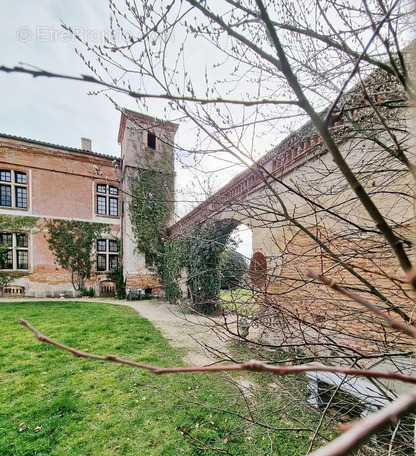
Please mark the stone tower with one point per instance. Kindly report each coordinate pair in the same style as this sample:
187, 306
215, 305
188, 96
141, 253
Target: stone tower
146, 143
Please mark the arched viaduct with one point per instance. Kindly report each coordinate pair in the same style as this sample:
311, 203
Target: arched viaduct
303, 214
297, 190
295, 185
249, 197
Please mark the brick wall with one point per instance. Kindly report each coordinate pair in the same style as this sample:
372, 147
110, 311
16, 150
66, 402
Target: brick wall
60, 184
296, 310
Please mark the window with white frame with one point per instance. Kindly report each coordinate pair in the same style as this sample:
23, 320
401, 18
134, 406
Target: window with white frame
107, 255
107, 200
13, 189
14, 251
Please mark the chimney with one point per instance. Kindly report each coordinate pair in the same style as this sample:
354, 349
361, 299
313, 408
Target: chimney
86, 144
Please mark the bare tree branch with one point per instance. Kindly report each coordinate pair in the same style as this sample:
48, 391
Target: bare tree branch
142, 95
252, 366
405, 329
362, 430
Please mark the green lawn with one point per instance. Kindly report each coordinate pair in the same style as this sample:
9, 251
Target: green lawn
52, 403
239, 300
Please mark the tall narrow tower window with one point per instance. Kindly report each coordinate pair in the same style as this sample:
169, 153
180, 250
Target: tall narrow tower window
151, 140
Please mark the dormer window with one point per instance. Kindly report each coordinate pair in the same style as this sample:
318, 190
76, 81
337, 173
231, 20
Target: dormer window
151, 140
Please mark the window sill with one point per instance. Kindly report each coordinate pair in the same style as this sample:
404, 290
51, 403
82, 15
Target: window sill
108, 216
10, 208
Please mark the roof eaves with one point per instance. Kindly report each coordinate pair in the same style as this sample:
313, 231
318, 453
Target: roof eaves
57, 146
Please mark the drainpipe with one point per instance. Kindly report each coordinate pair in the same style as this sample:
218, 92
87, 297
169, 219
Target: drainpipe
122, 214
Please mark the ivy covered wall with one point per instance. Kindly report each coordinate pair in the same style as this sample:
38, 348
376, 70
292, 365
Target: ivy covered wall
150, 211
72, 243
147, 149
200, 253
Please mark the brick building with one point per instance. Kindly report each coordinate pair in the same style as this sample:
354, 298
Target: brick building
40, 182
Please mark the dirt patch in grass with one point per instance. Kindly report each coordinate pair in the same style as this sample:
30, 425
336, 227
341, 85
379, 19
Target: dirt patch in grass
195, 335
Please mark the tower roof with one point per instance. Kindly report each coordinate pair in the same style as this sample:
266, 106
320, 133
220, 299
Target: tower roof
144, 121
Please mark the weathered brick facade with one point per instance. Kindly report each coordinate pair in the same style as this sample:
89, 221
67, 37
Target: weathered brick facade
303, 214
46, 182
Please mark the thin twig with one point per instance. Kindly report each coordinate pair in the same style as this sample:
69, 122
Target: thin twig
393, 436
363, 429
393, 323
253, 365
141, 95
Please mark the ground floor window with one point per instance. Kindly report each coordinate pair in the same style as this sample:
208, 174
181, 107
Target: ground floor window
107, 255
14, 251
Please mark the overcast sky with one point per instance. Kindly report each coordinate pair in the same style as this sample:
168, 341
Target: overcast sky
53, 110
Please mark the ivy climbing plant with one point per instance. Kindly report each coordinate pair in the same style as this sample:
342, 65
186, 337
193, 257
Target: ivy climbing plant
200, 252
171, 267
203, 248
150, 211
72, 242
16, 224
12, 224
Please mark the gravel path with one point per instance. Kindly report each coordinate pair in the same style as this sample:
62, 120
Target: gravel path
194, 334
199, 337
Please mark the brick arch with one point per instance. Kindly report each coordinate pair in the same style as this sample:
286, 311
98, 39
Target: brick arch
226, 221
